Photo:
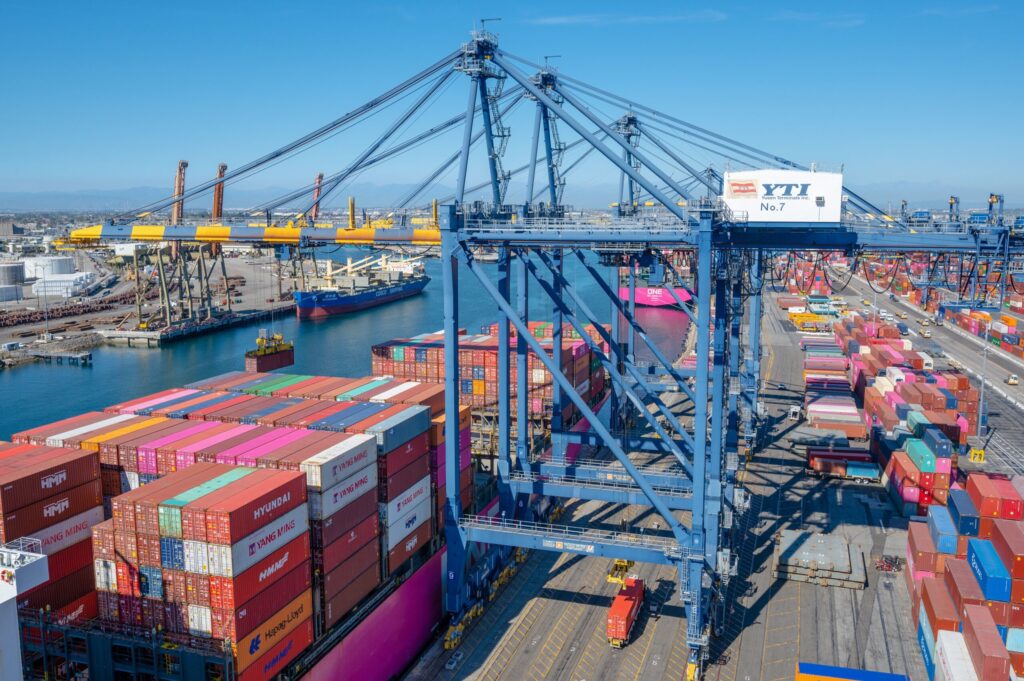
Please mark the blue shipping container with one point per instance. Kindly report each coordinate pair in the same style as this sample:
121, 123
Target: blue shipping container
963, 512
1015, 640
151, 583
942, 529
937, 442
172, 553
926, 657
988, 569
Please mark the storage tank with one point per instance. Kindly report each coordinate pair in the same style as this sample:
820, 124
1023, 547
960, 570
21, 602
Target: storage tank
12, 273
39, 267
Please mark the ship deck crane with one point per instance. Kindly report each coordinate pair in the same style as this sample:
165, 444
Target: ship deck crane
534, 240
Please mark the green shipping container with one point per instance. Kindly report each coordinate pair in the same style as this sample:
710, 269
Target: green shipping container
280, 385
398, 353
170, 510
917, 422
362, 389
919, 453
256, 387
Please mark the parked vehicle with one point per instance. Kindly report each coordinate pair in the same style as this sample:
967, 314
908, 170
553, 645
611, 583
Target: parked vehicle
1012, 379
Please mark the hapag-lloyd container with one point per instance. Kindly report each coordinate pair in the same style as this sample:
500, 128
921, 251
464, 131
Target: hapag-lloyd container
230, 561
328, 468
27, 476
68, 532
268, 495
396, 508
277, 658
325, 504
227, 593
29, 520
409, 522
237, 623
276, 628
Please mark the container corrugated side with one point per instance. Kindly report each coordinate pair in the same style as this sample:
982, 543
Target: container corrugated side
327, 503
170, 509
278, 657
276, 628
28, 520
239, 622
269, 495
227, 593
230, 561
329, 467
395, 508
36, 473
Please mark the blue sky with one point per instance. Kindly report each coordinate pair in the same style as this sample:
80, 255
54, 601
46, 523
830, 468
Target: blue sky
905, 96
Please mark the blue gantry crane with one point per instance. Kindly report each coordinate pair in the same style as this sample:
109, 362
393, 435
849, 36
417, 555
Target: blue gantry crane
732, 226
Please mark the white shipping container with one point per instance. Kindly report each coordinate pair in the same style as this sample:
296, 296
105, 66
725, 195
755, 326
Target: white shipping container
396, 508
388, 394
928, 363
200, 621
774, 195
106, 575
129, 480
197, 558
331, 466
952, 661
58, 439
230, 561
325, 504
538, 376
408, 523
1000, 327
68, 532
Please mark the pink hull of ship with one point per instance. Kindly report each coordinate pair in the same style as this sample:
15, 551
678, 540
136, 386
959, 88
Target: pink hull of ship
654, 296
388, 640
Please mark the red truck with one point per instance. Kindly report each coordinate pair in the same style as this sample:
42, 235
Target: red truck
624, 611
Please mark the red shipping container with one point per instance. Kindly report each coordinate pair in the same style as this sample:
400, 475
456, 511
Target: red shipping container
403, 456
129, 610
1017, 615
984, 495
227, 593
962, 585
355, 591
404, 479
1008, 541
405, 548
337, 577
986, 526
237, 623
42, 471
127, 579
278, 657
175, 586
107, 606
197, 589
82, 609
346, 546
60, 593
986, 648
126, 547
69, 560
332, 528
1000, 612
1010, 504
269, 495
176, 618
51, 510
148, 546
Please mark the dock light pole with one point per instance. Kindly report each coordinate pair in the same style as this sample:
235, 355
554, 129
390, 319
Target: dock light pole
982, 415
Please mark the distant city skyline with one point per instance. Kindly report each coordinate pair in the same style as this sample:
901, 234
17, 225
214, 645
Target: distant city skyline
913, 100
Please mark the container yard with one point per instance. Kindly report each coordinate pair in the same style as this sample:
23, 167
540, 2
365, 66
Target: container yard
738, 422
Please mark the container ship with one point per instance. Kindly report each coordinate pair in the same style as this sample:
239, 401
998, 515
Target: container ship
167, 516
364, 284
650, 288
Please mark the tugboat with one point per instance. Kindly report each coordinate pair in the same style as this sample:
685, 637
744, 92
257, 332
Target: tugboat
356, 286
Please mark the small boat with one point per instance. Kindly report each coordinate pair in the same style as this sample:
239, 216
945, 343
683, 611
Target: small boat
361, 285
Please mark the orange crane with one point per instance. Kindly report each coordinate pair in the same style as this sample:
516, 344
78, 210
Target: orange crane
218, 193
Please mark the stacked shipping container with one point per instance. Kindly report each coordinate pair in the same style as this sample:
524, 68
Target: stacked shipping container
53, 495
966, 579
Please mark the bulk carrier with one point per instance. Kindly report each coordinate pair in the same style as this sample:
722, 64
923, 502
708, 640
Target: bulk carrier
361, 285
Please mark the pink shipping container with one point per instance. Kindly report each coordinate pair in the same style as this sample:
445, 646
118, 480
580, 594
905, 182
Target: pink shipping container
290, 436
147, 452
230, 455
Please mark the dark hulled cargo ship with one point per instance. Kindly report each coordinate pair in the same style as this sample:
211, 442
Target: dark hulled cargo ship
360, 286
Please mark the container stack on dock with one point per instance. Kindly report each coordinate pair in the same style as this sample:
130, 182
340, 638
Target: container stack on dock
919, 419
965, 573
53, 495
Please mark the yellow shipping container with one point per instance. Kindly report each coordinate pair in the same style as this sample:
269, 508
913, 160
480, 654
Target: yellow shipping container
479, 387
93, 444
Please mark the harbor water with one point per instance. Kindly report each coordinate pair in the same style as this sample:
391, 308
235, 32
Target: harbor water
40, 393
